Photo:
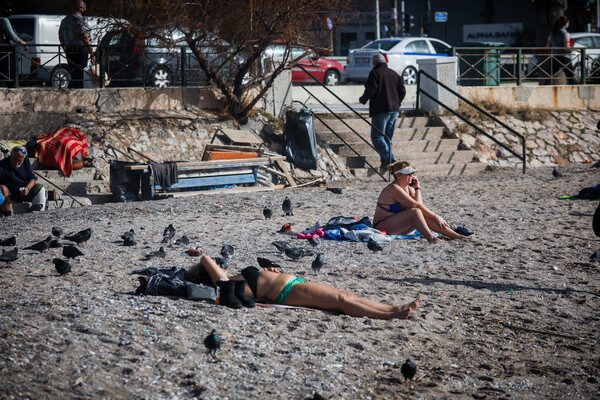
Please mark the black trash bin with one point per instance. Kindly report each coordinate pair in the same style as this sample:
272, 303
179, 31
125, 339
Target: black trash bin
479, 63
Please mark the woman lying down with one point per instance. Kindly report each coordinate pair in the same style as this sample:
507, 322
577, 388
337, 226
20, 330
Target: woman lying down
287, 289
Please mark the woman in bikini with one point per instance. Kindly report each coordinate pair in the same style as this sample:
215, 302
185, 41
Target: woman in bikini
400, 208
288, 289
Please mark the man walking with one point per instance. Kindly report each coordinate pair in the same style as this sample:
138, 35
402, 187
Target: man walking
74, 39
384, 91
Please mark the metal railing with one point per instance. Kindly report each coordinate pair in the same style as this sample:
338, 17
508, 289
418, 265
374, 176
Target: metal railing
522, 157
47, 65
491, 66
345, 123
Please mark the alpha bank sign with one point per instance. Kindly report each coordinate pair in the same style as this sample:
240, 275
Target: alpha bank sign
505, 33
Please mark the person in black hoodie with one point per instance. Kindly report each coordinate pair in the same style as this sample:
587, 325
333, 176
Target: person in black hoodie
384, 90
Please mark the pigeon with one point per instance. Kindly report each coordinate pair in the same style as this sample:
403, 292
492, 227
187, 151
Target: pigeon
280, 245
317, 264
213, 343
158, 253
56, 231
182, 241
71, 251
596, 256
314, 241
129, 238
168, 233
42, 246
408, 370
266, 263
81, 236
287, 206
374, 246
296, 253
9, 256
267, 212
62, 266
55, 244
223, 262
11, 241
227, 251
556, 173
335, 190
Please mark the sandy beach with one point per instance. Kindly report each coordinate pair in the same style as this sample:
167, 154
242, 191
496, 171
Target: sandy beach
511, 314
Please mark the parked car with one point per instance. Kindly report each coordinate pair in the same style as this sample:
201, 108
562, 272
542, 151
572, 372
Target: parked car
42, 63
401, 53
327, 71
584, 40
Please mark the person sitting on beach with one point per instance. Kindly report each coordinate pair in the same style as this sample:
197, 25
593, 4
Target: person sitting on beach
400, 208
287, 289
18, 182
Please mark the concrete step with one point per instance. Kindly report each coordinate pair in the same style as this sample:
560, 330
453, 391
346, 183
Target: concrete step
458, 169
76, 184
404, 134
360, 125
414, 146
418, 159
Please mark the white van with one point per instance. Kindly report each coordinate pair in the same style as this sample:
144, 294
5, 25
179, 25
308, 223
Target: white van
45, 62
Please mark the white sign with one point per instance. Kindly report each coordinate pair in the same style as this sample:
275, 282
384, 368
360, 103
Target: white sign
505, 33
441, 16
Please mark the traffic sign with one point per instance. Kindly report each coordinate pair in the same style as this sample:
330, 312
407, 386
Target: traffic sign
441, 16
329, 24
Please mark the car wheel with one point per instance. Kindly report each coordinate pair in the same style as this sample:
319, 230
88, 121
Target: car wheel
60, 77
409, 76
332, 78
161, 77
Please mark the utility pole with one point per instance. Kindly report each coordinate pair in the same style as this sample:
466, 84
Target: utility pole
395, 16
403, 16
377, 34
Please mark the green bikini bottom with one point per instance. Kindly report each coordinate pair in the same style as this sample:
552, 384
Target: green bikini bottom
285, 292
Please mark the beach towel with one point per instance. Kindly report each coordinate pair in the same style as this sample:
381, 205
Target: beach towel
60, 147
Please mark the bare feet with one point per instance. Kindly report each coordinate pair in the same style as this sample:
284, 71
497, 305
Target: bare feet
194, 252
409, 306
407, 309
434, 240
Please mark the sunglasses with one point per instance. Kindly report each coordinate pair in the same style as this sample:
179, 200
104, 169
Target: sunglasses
20, 150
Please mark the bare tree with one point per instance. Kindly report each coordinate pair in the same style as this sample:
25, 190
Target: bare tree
228, 37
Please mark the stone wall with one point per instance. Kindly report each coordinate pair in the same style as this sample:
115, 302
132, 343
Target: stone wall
552, 137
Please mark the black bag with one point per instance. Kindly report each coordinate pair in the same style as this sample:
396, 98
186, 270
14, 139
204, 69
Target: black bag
300, 138
589, 193
124, 184
198, 291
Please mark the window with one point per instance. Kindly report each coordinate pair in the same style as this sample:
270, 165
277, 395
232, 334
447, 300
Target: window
347, 42
585, 41
439, 47
23, 28
384, 44
418, 46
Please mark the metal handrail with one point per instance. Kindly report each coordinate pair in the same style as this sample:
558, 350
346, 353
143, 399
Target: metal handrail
389, 142
522, 157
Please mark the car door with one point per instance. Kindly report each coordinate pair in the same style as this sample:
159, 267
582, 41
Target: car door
310, 63
122, 59
413, 50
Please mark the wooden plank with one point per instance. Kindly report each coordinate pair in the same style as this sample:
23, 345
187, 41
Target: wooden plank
241, 189
212, 155
241, 136
229, 163
210, 181
288, 176
257, 150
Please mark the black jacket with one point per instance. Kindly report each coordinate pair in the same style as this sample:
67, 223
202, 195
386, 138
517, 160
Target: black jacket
384, 90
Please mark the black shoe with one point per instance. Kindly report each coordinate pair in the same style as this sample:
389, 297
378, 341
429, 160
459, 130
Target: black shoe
227, 296
36, 207
240, 293
7, 213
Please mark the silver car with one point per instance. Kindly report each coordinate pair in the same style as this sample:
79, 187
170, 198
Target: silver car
401, 53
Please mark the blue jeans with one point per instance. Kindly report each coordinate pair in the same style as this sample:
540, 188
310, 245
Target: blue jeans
386, 123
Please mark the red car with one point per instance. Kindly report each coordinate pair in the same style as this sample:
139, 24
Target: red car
328, 72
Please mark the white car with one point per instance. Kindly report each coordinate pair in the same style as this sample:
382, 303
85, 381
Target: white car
402, 54
590, 41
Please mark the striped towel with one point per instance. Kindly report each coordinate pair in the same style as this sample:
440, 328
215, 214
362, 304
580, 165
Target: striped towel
60, 147
7, 145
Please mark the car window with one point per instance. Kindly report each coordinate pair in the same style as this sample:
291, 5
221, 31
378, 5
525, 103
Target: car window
596, 41
23, 28
297, 52
439, 47
585, 41
275, 51
382, 44
418, 46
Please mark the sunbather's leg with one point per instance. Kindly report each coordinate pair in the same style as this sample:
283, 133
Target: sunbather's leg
444, 231
405, 221
320, 295
386, 307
